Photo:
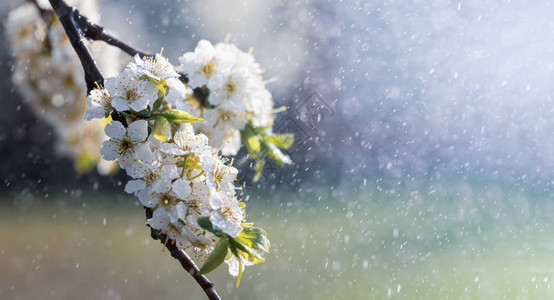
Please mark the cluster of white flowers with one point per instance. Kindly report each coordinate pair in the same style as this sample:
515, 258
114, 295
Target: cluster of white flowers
179, 176
49, 76
175, 172
236, 93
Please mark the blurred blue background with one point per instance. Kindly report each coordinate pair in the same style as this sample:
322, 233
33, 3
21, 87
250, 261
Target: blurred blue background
423, 164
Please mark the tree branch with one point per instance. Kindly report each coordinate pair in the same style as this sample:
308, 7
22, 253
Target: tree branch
77, 27
184, 259
96, 32
67, 15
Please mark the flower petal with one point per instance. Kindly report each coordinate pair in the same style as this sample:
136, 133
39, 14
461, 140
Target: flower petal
134, 186
120, 104
160, 219
109, 150
138, 131
147, 199
182, 188
95, 112
115, 130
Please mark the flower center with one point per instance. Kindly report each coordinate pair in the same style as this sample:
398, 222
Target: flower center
218, 174
125, 145
167, 200
152, 176
207, 69
230, 87
225, 115
131, 95
227, 213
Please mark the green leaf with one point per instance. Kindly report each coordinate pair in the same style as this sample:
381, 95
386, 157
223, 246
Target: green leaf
161, 94
253, 237
258, 167
145, 113
271, 151
158, 102
179, 116
251, 141
240, 259
161, 129
217, 257
206, 224
283, 141
251, 255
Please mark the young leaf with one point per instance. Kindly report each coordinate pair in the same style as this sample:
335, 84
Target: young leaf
158, 102
248, 254
206, 224
253, 237
161, 129
258, 167
161, 95
217, 257
271, 151
145, 113
240, 260
179, 116
283, 141
251, 141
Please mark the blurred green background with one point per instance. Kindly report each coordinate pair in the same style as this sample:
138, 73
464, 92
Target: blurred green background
459, 240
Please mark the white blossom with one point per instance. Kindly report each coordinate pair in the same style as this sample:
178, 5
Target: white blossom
148, 168
218, 175
201, 64
228, 226
177, 95
186, 141
99, 103
157, 67
123, 141
237, 94
129, 92
169, 223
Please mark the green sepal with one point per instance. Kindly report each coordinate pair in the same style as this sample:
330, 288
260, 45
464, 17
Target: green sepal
179, 116
161, 129
217, 257
283, 141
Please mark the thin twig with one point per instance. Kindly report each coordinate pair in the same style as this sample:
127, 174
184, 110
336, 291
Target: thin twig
77, 27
